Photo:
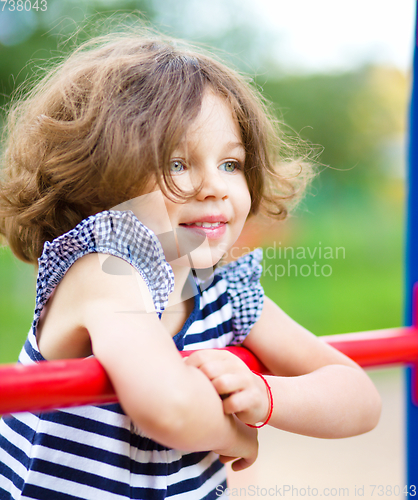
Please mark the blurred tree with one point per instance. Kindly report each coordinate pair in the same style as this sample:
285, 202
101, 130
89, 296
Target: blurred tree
351, 115
40, 35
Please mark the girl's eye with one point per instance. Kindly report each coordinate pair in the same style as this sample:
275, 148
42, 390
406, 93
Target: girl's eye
176, 166
230, 166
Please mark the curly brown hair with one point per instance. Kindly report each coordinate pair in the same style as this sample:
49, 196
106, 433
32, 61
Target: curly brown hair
98, 127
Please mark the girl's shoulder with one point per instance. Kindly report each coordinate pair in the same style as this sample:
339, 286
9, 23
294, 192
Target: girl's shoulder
113, 233
107, 243
244, 290
94, 261
244, 270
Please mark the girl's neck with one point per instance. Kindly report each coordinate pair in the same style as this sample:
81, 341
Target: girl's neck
180, 301
184, 286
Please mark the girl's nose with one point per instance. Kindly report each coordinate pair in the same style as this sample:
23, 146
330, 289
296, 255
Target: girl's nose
213, 185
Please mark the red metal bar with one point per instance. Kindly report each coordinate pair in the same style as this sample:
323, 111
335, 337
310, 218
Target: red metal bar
379, 347
54, 384
74, 382
413, 400
58, 384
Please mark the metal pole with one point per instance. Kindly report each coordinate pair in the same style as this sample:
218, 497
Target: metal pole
411, 277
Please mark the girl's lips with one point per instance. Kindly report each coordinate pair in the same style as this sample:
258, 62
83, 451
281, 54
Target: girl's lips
212, 233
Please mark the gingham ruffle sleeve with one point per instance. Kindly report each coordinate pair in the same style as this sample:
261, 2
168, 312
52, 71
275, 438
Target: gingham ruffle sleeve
245, 292
111, 232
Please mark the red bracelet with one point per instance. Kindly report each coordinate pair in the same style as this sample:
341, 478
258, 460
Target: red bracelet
270, 400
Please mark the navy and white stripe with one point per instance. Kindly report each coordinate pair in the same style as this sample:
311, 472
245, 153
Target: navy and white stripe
95, 452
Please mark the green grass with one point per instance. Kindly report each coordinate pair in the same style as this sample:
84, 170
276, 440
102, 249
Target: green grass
364, 290
17, 301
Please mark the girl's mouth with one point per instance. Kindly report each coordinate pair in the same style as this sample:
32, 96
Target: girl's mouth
212, 230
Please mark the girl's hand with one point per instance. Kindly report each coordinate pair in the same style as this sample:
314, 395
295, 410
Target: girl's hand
244, 446
243, 393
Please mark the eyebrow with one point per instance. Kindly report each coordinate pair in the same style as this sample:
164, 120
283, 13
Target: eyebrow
228, 146
235, 145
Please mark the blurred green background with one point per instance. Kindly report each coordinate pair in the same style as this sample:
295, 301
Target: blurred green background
356, 117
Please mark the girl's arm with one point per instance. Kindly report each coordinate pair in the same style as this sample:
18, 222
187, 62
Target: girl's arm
171, 402
317, 391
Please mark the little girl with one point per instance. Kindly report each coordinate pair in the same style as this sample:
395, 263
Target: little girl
129, 171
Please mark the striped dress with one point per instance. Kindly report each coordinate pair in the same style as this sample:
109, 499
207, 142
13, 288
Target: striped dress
96, 452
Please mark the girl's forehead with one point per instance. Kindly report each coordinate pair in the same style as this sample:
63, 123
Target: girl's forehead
215, 106
216, 120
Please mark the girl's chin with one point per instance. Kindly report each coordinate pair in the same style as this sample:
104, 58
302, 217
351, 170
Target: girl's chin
199, 259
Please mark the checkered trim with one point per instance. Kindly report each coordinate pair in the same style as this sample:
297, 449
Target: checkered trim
245, 292
110, 232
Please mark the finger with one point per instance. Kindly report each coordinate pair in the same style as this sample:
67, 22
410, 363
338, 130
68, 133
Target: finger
225, 459
228, 383
197, 358
238, 402
203, 355
241, 464
215, 369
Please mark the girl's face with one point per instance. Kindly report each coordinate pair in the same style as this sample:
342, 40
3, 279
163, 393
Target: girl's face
212, 155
